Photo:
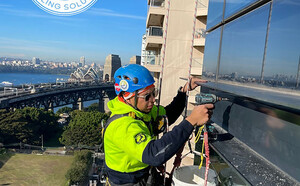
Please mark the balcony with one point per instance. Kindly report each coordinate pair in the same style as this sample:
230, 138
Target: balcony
156, 3
202, 8
156, 13
154, 38
153, 63
199, 37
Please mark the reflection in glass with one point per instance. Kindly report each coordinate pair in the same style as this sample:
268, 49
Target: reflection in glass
283, 50
210, 61
234, 6
243, 47
215, 13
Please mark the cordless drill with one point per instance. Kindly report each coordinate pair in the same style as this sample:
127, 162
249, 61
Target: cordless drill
203, 98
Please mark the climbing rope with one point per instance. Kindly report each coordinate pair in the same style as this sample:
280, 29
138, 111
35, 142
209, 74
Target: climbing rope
207, 161
162, 71
163, 55
206, 146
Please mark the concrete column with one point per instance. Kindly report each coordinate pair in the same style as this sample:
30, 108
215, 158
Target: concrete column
105, 101
51, 108
80, 104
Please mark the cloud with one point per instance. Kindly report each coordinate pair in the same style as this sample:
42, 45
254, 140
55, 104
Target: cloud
26, 45
27, 13
111, 13
52, 42
3, 5
13, 55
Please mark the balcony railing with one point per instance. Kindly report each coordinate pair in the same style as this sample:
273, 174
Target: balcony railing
155, 31
152, 59
159, 3
200, 33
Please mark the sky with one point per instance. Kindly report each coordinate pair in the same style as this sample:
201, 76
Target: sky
108, 27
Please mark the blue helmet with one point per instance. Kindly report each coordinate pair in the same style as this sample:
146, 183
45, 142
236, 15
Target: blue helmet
132, 77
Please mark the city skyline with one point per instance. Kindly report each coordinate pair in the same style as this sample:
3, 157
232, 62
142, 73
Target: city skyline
106, 28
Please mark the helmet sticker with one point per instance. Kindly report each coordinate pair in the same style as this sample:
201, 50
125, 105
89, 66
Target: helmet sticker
124, 85
117, 87
140, 137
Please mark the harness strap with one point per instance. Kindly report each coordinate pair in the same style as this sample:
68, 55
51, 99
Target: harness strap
111, 119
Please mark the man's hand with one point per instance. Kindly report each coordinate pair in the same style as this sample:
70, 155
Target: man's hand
193, 84
200, 114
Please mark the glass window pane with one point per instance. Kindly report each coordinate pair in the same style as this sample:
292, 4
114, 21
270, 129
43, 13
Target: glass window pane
283, 50
243, 47
210, 60
215, 13
234, 6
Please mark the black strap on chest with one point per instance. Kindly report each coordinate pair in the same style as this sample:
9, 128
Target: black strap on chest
111, 119
117, 116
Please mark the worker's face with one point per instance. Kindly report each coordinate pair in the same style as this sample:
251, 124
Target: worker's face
145, 100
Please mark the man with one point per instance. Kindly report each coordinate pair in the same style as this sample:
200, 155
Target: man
130, 144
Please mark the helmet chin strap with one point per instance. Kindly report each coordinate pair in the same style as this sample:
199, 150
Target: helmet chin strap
135, 102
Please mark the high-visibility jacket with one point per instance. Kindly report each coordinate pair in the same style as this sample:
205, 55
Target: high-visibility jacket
130, 146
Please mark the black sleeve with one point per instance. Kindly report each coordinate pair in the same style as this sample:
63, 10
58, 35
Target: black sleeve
175, 108
159, 151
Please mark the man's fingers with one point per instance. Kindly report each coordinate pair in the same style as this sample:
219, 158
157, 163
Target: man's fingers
200, 81
209, 106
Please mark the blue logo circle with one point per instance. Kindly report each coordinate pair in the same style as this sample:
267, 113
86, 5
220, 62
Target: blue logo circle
64, 7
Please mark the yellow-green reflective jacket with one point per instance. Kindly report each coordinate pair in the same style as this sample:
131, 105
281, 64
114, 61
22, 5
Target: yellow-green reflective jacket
126, 138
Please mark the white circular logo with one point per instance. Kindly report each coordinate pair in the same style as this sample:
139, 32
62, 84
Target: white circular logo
124, 85
64, 7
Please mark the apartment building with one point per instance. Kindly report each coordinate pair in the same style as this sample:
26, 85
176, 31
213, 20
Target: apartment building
175, 21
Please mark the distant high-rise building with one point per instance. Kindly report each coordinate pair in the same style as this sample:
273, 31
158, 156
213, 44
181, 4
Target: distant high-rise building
135, 60
82, 61
179, 49
35, 60
112, 63
146, 55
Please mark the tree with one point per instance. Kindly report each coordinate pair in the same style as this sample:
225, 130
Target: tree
80, 167
27, 125
62, 110
92, 107
83, 129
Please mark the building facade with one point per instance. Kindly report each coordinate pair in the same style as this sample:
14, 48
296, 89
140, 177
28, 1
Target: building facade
112, 63
36, 61
82, 61
135, 60
178, 30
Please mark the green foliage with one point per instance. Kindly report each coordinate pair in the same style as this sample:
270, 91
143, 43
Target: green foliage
80, 167
62, 110
27, 125
92, 107
83, 129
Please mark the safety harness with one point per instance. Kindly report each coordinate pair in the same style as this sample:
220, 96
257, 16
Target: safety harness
155, 127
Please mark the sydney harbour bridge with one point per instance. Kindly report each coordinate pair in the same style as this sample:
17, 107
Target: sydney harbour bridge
51, 95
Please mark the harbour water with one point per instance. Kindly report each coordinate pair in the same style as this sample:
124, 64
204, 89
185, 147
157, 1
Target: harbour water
24, 78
